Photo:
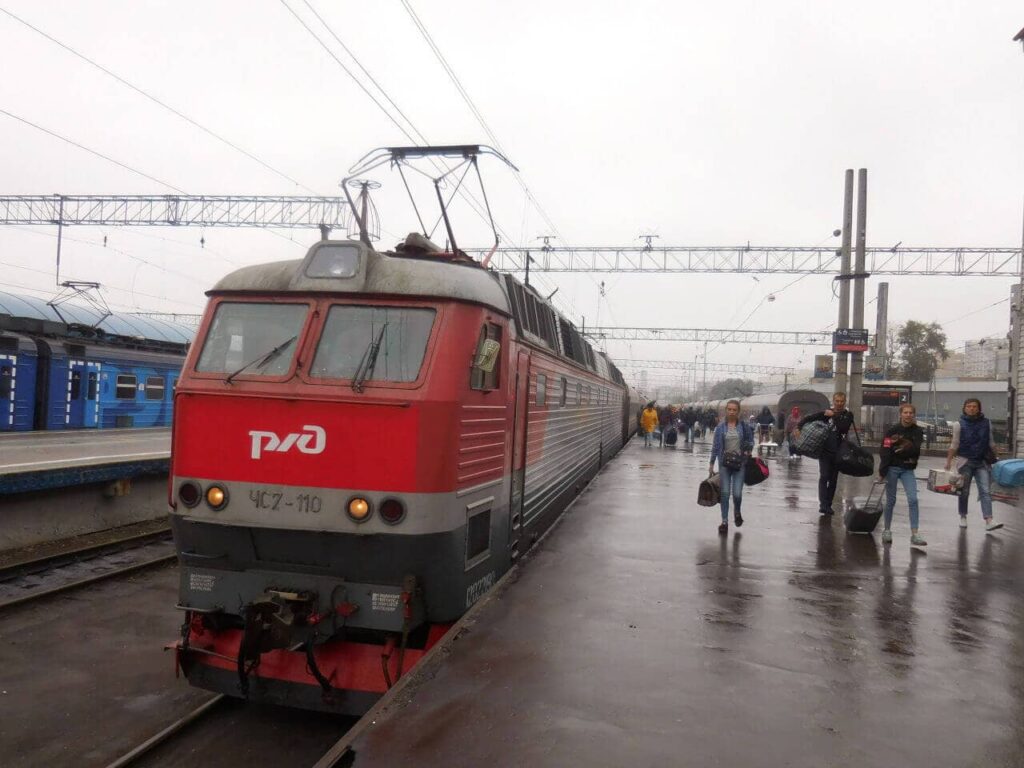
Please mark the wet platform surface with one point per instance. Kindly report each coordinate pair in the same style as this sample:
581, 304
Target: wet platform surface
42, 451
637, 636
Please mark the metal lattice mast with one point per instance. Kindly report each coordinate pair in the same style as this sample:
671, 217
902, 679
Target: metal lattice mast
175, 211
685, 365
712, 335
980, 262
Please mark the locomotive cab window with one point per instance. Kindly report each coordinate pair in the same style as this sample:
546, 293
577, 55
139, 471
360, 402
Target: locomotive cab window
154, 387
126, 384
254, 339
565, 390
373, 343
542, 388
486, 369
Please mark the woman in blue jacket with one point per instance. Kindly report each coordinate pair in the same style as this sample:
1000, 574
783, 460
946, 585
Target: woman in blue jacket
733, 443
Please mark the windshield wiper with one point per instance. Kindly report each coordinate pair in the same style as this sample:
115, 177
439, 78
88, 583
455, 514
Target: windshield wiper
259, 362
369, 360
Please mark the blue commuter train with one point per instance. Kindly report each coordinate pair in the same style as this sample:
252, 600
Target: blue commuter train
72, 375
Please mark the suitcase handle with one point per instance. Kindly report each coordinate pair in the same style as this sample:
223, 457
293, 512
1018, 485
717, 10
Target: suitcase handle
877, 485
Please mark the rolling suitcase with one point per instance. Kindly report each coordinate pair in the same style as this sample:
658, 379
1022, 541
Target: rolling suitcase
862, 515
671, 436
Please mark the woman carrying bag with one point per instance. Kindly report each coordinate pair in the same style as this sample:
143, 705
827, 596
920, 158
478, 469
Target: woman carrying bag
901, 448
732, 445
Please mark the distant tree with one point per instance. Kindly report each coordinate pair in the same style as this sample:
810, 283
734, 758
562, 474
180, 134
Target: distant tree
731, 388
920, 348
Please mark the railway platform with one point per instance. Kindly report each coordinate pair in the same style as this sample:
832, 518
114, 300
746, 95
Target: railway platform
36, 461
635, 635
62, 485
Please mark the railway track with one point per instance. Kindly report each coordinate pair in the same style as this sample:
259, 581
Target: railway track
32, 580
132, 757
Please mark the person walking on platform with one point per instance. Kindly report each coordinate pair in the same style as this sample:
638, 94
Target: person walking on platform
840, 420
648, 421
792, 425
732, 444
765, 422
901, 448
975, 450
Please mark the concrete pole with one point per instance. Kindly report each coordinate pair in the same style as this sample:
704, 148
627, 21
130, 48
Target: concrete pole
882, 327
857, 358
843, 320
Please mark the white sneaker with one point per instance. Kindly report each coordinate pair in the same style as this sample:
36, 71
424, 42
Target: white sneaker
963, 522
992, 525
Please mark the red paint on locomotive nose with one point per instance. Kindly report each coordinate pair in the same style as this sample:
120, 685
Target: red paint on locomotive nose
398, 446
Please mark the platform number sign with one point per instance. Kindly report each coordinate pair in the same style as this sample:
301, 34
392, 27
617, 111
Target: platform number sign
850, 340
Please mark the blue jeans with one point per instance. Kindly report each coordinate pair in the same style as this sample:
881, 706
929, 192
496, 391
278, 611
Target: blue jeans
906, 476
980, 471
731, 484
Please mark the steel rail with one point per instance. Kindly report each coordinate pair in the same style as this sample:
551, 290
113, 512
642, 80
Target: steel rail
58, 559
86, 582
174, 728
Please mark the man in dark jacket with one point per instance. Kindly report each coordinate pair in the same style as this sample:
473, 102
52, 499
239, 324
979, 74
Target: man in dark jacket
901, 448
840, 420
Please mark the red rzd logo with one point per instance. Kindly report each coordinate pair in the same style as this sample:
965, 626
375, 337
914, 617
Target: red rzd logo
312, 439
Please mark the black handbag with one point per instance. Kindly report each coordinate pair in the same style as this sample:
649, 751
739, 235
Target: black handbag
853, 459
732, 460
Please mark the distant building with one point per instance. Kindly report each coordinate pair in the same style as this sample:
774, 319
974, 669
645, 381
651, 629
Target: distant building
987, 359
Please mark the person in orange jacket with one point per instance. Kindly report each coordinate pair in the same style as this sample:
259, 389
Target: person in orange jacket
648, 422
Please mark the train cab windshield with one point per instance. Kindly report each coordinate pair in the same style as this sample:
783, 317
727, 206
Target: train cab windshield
252, 337
395, 337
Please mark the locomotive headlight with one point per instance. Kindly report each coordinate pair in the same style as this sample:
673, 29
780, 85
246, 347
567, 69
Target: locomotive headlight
216, 497
189, 494
358, 509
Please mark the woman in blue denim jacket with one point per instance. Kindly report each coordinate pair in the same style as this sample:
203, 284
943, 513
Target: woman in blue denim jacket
733, 443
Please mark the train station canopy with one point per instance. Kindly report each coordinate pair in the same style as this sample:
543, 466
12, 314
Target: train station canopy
30, 314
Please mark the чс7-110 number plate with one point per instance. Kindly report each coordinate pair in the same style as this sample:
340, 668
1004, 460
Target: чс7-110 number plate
278, 500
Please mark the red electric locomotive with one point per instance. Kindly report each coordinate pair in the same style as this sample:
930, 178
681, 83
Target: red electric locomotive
364, 442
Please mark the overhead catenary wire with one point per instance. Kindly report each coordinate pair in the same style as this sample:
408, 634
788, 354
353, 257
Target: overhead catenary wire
164, 105
411, 132
73, 143
450, 71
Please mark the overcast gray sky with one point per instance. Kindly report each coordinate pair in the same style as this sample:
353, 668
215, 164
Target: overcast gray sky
705, 123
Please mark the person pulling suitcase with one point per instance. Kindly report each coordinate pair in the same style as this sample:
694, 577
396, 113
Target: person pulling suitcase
901, 448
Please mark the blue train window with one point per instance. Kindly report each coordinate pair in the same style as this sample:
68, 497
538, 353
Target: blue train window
90, 393
76, 384
126, 384
154, 387
5, 383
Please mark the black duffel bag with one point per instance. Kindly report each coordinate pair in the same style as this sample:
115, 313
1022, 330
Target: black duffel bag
853, 459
